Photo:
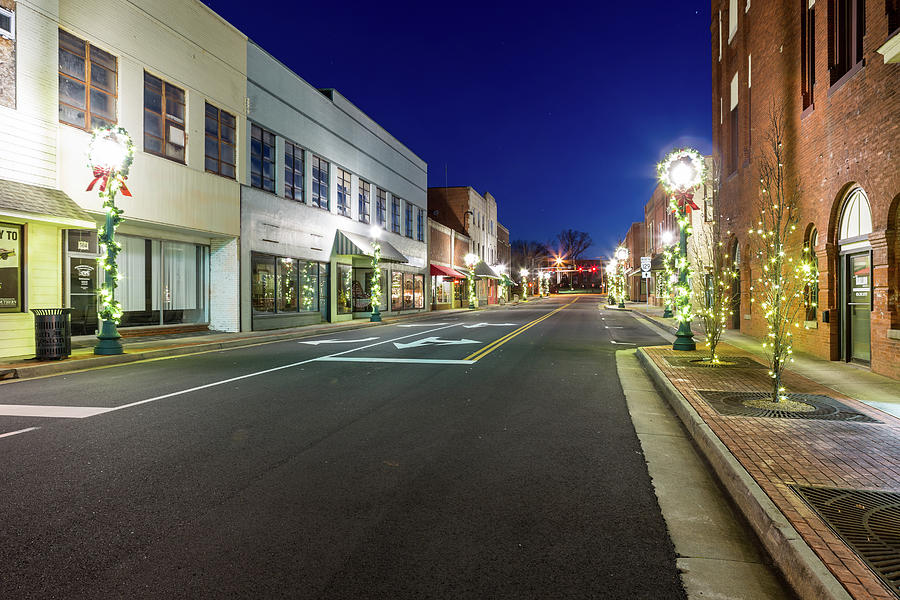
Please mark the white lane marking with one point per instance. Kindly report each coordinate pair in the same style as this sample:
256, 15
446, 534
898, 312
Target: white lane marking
424, 324
3, 435
317, 342
629, 343
434, 341
424, 361
608, 327
265, 371
477, 325
59, 412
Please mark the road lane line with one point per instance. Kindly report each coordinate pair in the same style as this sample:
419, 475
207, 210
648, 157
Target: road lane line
57, 412
424, 361
266, 371
3, 435
481, 353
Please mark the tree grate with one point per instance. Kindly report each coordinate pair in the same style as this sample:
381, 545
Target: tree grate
866, 520
734, 362
827, 408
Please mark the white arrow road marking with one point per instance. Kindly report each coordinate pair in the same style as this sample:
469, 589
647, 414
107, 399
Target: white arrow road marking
317, 342
422, 324
629, 343
608, 327
477, 325
436, 341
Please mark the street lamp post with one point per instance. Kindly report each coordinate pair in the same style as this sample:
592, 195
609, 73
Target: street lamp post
680, 172
375, 290
471, 260
611, 281
523, 273
622, 256
110, 156
667, 250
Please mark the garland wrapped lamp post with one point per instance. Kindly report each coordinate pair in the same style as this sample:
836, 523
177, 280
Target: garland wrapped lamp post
668, 262
375, 290
611, 267
523, 273
110, 155
680, 173
471, 260
622, 256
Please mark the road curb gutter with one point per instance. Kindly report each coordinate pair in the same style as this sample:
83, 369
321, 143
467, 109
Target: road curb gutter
801, 568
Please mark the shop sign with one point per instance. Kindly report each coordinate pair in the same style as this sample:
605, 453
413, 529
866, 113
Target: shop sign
10, 267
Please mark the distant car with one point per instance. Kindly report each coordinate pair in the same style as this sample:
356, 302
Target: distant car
4, 253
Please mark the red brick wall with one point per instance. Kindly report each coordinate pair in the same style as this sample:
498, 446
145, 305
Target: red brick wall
851, 137
448, 206
439, 246
461, 247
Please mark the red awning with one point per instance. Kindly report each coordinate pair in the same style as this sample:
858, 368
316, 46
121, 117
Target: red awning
446, 272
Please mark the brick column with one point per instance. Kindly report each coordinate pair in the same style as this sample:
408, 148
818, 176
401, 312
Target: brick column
224, 285
829, 297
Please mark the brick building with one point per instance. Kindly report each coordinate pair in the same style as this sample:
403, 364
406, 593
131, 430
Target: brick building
446, 249
832, 67
635, 285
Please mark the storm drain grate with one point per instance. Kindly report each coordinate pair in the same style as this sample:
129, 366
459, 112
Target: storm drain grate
827, 408
867, 521
741, 362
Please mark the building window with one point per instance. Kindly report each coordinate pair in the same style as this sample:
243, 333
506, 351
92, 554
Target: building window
892, 8
807, 52
735, 126
320, 183
732, 19
163, 118
364, 201
343, 192
812, 290
380, 207
11, 268
396, 290
293, 172
220, 141
847, 23
262, 158
408, 218
420, 225
283, 285
395, 214
87, 84
7, 24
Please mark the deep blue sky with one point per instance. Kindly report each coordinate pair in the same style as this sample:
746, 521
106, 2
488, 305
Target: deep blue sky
560, 110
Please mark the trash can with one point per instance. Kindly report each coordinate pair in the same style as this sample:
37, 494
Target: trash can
52, 333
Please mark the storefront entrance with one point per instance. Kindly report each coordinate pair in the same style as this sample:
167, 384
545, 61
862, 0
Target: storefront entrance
857, 306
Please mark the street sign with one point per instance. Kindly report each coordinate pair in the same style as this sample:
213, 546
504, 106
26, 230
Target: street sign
645, 263
645, 274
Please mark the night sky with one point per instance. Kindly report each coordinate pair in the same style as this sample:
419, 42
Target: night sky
560, 110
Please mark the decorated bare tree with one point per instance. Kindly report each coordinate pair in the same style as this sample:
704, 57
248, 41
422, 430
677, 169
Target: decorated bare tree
785, 269
713, 274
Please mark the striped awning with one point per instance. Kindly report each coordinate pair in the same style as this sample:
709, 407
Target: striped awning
354, 244
484, 271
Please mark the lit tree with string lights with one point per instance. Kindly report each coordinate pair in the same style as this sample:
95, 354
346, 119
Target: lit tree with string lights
681, 172
786, 269
110, 155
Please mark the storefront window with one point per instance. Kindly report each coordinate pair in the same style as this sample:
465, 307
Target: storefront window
345, 289
11, 268
443, 290
323, 291
262, 283
408, 285
396, 290
287, 296
309, 279
362, 290
419, 291
286, 285
184, 282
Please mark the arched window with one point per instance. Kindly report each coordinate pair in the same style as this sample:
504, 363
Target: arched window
812, 290
856, 218
737, 254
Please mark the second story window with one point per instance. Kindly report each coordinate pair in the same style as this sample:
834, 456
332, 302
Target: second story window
343, 192
364, 190
807, 52
220, 141
409, 220
87, 83
420, 225
395, 214
262, 158
163, 118
735, 124
293, 172
847, 22
380, 207
320, 183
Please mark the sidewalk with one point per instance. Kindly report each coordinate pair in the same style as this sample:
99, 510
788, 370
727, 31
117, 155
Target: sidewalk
142, 348
822, 491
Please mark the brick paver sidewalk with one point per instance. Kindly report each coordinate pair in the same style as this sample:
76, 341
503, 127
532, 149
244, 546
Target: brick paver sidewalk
779, 452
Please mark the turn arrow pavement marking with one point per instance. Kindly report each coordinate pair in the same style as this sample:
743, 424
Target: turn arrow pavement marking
317, 342
434, 341
422, 324
477, 325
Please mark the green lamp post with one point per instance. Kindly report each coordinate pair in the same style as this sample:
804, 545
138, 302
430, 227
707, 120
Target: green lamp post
680, 172
622, 256
523, 273
375, 290
611, 267
471, 261
110, 155
669, 273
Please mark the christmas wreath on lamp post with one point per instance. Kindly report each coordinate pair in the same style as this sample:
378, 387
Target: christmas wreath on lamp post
110, 154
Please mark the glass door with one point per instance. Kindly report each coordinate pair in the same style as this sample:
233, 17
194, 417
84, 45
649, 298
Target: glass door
83, 285
858, 307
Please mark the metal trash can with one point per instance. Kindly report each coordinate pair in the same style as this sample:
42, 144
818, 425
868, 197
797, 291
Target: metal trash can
52, 333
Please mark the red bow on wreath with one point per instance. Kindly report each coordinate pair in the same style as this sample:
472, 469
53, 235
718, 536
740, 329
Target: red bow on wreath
685, 199
102, 175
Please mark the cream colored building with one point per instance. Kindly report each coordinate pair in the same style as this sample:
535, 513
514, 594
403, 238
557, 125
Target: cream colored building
172, 73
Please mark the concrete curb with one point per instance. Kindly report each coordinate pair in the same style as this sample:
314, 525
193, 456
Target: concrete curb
79, 364
802, 569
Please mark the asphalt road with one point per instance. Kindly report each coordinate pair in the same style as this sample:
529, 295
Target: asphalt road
477, 455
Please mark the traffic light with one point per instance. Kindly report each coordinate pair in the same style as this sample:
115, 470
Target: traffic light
593, 269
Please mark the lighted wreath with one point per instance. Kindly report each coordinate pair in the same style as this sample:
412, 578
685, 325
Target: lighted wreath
110, 155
